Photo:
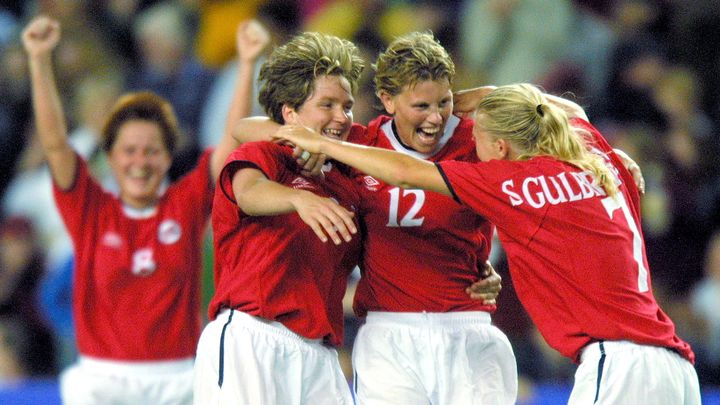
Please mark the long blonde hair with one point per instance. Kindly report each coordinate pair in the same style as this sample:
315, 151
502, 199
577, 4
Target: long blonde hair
520, 114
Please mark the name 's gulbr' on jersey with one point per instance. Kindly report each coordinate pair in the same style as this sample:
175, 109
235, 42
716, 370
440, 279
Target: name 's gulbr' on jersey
136, 285
275, 267
576, 255
422, 249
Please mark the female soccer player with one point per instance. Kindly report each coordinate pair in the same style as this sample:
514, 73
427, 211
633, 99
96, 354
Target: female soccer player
567, 213
277, 311
136, 285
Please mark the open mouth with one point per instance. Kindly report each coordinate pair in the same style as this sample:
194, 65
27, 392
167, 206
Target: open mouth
428, 136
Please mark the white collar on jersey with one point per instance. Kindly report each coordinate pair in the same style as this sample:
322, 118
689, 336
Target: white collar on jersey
139, 213
450, 126
147, 212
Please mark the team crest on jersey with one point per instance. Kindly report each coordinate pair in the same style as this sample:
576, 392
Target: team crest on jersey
143, 262
169, 232
112, 239
371, 183
301, 182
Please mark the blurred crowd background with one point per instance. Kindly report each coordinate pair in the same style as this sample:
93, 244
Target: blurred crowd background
646, 71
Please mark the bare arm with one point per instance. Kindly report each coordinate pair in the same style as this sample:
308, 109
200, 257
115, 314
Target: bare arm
391, 167
40, 38
252, 39
465, 102
256, 195
572, 109
258, 129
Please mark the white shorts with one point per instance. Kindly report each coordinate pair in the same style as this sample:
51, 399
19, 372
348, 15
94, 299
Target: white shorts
92, 381
245, 360
621, 372
439, 358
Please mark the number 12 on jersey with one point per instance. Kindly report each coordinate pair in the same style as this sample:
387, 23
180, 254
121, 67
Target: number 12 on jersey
409, 219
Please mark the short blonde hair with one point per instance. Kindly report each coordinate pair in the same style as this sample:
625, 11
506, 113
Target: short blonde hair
411, 59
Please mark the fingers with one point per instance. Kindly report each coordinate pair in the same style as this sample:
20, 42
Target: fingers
252, 38
328, 219
42, 32
488, 287
310, 163
338, 225
637, 176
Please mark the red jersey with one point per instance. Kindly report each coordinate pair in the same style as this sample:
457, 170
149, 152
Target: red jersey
576, 256
275, 267
421, 249
136, 286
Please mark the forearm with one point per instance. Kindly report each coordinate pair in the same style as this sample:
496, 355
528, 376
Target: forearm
49, 115
50, 122
391, 167
239, 107
571, 108
254, 129
266, 197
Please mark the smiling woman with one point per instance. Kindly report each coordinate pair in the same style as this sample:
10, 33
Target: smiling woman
277, 311
136, 281
139, 139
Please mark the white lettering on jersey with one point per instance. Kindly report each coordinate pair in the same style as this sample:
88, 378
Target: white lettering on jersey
143, 263
543, 190
169, 232
408, 220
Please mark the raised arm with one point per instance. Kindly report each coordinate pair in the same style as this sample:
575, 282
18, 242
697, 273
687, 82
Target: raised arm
40, 37
256, 195
391, 167
251, 40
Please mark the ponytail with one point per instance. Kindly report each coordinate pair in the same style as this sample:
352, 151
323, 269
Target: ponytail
520, 114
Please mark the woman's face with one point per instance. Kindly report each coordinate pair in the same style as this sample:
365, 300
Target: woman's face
140, 160
421, 112
486, 147
328, 110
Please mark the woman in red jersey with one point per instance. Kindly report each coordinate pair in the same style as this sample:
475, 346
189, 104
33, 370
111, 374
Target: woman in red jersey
567, 213
422, 251
136, 285
277, 314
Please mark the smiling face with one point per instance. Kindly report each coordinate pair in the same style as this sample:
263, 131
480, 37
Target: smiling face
328, 110
421, 112
140, 160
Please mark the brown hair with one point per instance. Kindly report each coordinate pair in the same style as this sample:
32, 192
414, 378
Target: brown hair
288, 76
144, 106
